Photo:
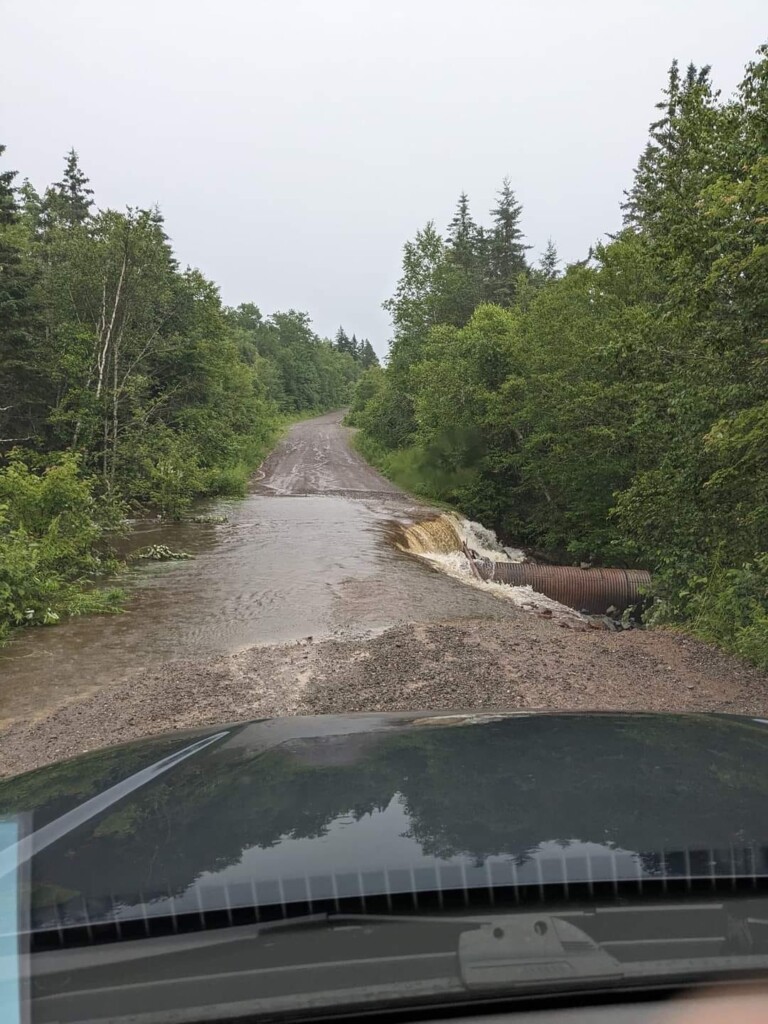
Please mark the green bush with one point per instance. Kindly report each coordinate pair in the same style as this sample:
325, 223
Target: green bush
50, 528
164, 472
730, 607
227, 481
368, 386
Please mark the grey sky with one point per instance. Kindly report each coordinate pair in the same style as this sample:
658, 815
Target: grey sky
293, 146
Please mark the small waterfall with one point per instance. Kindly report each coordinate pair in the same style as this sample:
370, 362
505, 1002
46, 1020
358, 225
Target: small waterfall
438, 539
444, 535
437, 535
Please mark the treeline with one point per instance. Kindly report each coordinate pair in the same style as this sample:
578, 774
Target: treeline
125, 384
615, 411
361, 350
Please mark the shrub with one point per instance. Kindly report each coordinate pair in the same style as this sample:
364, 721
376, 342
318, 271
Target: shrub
50, 526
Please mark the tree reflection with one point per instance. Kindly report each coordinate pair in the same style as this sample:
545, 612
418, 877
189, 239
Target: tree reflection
639, 783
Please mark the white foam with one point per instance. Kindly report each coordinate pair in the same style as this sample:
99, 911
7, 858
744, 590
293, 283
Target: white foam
485, 542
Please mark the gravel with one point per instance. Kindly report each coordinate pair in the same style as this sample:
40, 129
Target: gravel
524, 662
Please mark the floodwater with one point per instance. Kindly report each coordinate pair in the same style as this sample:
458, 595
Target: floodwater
306, 553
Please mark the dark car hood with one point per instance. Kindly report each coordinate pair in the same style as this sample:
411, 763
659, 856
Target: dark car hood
322, 808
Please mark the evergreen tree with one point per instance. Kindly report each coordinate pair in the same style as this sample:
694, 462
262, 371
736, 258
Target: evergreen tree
683, 150
415, 306
70, 199
506, 248
31, 209
354, 349
367, 356
342, 341
462, 236
459, 281
549, 261
642, 198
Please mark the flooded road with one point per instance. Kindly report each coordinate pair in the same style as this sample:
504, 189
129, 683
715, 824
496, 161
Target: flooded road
307, 553
315, 550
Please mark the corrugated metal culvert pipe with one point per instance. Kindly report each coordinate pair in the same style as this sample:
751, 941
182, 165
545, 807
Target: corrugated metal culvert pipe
590, 590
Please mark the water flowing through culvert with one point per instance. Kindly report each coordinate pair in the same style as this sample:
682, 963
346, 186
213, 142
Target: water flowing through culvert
440, 540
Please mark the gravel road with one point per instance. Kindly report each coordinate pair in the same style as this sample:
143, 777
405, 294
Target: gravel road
315, 458
486, 654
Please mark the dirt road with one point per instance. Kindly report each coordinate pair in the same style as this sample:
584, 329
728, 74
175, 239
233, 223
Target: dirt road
316, 458
310, 552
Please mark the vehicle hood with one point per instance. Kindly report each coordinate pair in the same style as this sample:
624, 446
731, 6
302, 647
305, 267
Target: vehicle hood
306, 809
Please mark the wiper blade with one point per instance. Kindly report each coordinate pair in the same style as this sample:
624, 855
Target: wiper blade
348, 960
524, 949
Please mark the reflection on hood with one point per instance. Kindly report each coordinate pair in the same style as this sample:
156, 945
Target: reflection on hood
398, 794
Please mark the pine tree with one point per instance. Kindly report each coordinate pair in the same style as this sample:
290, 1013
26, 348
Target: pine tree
69, 199
459, 281
367, 356
30, 208
354, 349
549, 261
642, 198
462, 236
671, 164
342, 341
506, 248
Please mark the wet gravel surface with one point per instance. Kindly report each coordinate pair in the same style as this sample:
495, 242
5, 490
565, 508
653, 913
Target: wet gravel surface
315, 458
523, 661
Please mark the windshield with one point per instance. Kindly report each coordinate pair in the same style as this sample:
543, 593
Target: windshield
383, 504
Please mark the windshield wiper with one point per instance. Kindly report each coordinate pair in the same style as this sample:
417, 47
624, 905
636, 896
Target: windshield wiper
348, 960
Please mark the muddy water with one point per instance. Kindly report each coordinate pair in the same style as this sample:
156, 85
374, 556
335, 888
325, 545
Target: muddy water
282, 568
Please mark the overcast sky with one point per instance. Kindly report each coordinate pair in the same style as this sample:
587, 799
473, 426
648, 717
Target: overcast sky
293, 146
